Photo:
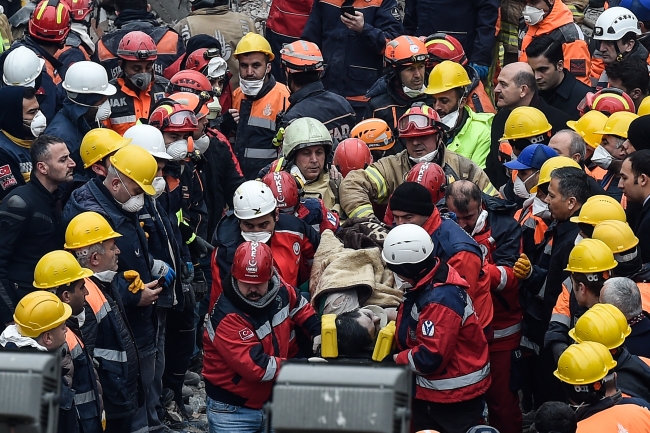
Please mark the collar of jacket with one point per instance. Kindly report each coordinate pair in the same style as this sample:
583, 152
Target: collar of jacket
433, 222
439, 275
305, 91
643, 276
266, 88
395, 91
218, 10
18, 141
54, 196
557, 17
564, 227
75, 114
34, 46
639, 50
236, 299
563, 90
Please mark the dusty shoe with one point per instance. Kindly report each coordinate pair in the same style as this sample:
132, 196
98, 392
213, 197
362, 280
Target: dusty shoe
173, 417
191, 378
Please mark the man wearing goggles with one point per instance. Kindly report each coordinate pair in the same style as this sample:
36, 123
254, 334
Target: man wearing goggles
423, 134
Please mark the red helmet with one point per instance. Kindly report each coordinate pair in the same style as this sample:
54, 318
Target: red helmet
189, 81
431, 176
137, 46
419, 120
285, 189
80, 9
253, 263
607, 101
351, 154
441, 46
173, 118
50, 21
198, 60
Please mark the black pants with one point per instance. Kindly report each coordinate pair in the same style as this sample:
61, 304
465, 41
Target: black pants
118, 425
179, 346
447, 417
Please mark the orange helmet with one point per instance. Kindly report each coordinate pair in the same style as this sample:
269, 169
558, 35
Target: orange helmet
174, 118
405, 50
137, 46
190, 81
375, 133
253, 263
301, 56
50, 21
80, 9
419, 120
441, 46
431, 176
607, 101
198, 60
193, 102
285, 189
351, 154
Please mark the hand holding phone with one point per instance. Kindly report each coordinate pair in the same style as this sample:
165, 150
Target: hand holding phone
348, 9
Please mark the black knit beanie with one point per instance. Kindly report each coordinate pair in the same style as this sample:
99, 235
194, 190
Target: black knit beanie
639, 133
413, 198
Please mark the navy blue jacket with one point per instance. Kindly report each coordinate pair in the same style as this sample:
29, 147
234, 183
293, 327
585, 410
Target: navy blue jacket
638, 342
70, 125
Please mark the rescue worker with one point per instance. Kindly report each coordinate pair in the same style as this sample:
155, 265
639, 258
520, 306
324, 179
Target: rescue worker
609, 154
257, 218
31, 221
377, 135
526, 126
550, 17
422, 130
354, 62
302, 64
438, 335
134, 15
18, 113
78, 44
591, 391
22, 67
606, 324
616, 32
106, 331
59, 272
586, 127
402, 84
85, 107
351, 154
253, 292
411, 203
256, 105
631, 76
48, 28
97, 146
635, 184
596, 209
557, 86
516, 87
214, 17
468, 133
442, 46
607, 101
590, 263
139, 87
489, 221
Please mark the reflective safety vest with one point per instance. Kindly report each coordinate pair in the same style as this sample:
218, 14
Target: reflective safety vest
127, 106
621, 418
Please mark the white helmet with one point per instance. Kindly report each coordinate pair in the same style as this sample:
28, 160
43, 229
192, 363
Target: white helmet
22, 67
217, 68
305, 132
253, 199
615, 23
88, 78
148, 138
407, 243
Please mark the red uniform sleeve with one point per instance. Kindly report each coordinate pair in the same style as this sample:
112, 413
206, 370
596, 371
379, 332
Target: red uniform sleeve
502, 278
468, 265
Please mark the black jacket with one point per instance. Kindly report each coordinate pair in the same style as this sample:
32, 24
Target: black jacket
493, 165
567, 95
638, 342
30, 227
642, 231
632, 374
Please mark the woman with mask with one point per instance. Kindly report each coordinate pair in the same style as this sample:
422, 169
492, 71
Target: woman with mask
85, 107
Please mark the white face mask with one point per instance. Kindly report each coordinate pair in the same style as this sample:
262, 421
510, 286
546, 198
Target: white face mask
177, 150
426, 158
451, 119
159, 185
413, 93
250, 87
602, 157
480, 222
201, 144
262, 237
532, 15
134, 203
520, 188
401, 284
38, 124
540, 209
103, 111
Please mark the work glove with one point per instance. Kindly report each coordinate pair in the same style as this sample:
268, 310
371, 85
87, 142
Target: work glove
199, 247
279, 138
199, 285
136, 283
316, 345
522, 267
187, 273
146, 233
161, 269
482, 70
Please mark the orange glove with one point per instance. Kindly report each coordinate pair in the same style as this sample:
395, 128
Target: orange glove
522, 267
136, 283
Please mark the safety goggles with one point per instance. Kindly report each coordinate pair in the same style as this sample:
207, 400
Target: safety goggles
419, 121
183, 118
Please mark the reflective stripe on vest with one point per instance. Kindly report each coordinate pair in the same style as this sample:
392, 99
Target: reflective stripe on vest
96, 300
110, 355
454, 382
525, 342
261, 122
380, 183
561, 318
511, 330
84, 397
253, 152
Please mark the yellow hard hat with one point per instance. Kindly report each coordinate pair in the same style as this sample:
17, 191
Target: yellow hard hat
604, 324
590, 256
583, 364
138, 165
253, 43
40, 311
98, 143
618, 124
57, 268
644, 107
445, 76
599, 208
587, 125
525, 122
88, 228
550, 165
617, 235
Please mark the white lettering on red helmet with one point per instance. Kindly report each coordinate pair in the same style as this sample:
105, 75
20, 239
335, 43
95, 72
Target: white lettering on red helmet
252, 262
423, 169
278, 186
